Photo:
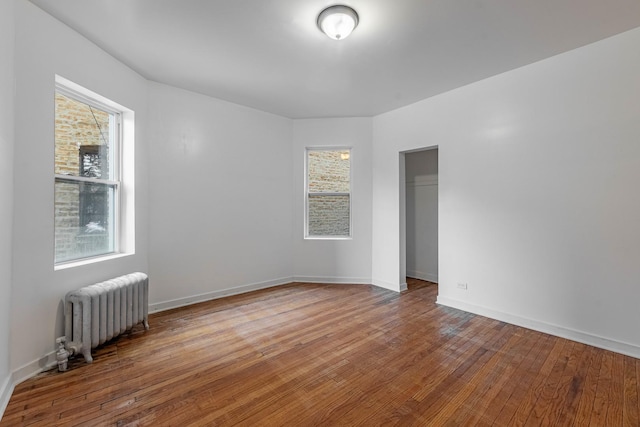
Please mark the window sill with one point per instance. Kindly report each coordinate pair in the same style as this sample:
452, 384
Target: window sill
87, 261
328, 238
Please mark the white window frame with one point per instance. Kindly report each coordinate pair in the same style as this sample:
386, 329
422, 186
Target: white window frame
120, 168
307, 150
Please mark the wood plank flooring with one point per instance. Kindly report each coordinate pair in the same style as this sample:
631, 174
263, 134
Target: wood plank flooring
334, 355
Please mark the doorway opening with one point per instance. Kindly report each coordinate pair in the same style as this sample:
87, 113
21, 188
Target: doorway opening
419, 214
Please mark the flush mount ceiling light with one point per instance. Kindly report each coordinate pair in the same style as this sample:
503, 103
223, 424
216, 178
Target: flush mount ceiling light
338, 21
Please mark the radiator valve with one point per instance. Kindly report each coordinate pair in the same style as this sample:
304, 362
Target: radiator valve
62, 355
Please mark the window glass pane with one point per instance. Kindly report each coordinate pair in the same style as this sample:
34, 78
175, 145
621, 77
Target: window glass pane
84, 219
328, 193
328, 215
82, 135
329, 171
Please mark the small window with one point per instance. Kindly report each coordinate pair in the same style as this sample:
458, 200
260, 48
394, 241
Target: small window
328, 193
87, 176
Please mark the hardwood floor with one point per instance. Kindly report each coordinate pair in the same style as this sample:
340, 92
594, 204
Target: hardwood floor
327, 355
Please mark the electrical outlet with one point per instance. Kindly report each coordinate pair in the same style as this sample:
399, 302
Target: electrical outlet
462, 286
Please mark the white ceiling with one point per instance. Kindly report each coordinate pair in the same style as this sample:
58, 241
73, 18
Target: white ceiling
269, 54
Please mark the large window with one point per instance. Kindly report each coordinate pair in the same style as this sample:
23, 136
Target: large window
87, 176
328, 193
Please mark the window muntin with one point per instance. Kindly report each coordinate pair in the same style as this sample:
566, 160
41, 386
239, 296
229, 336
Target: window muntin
87, 177
328, 193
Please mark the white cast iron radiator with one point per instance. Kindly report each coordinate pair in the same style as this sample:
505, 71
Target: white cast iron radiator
97, 313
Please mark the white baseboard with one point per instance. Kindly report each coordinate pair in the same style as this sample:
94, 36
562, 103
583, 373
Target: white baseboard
391, 286
429, 277
31, 369
333, 280
181, 302
547, 328
6, 389
351, 281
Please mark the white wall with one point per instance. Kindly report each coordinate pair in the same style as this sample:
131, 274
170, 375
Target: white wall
44, 48
421, 178
220, 197
539, 207
339, 261
7, 17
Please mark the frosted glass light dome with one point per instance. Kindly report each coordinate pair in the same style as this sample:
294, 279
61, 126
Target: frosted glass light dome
338, 21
